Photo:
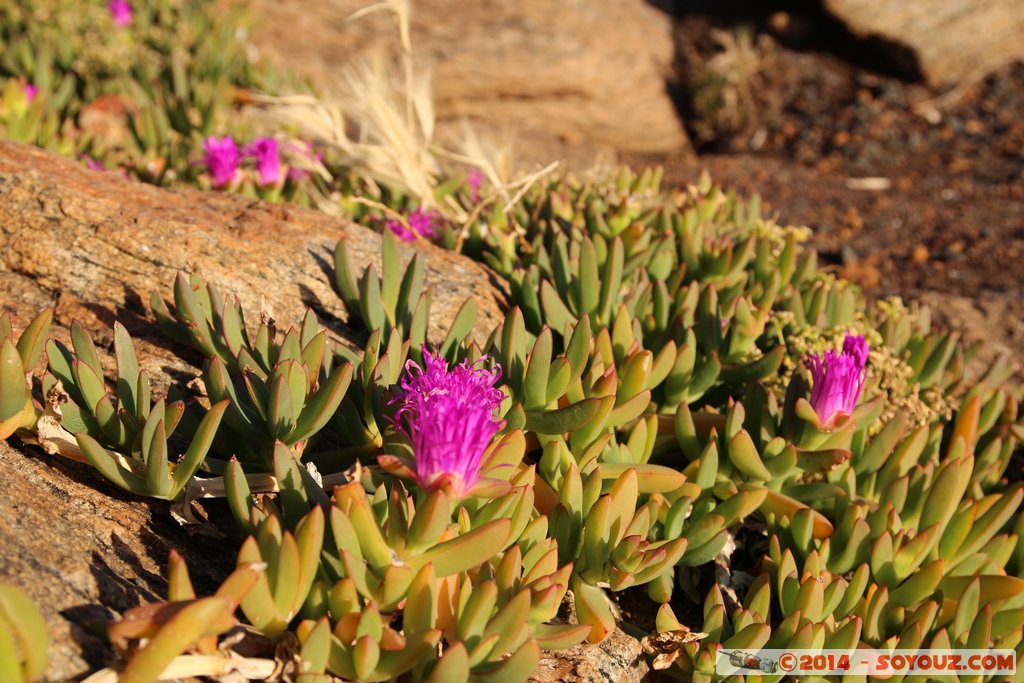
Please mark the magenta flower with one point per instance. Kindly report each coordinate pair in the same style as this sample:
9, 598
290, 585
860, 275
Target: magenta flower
424, 223
268, 162
838, 380
121, 11
420, 223
222, 159
31, 91
403, 233
448, 415
474, 180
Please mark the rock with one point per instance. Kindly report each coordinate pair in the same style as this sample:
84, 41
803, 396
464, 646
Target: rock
618, 658
572, 78
951, 40
100, 245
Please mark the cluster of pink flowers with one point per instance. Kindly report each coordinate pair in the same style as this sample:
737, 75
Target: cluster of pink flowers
474, 179
223, 158
838, 379
419, 223
121, 11
448, 415
427, 223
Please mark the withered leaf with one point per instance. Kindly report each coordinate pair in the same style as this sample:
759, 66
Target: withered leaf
667, 646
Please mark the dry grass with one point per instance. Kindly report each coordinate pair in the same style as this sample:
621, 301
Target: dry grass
381, 122
740, 65
725, 87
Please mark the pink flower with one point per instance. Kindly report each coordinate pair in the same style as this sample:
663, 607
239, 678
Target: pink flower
222, 159
92, 164
403, 233
121, 11
31, 91
420, 223
268, 162
448, 415
424, 223
838, 380
474, 180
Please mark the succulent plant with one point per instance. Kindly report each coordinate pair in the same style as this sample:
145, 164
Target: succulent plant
675, 378
124, 433
275, 390
24, 640
153, 636
487, 582
33, 120
395, 300
292, 562
819, 608
914, 527
17, 361
165, 77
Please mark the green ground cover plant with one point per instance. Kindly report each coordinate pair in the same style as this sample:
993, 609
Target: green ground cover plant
676, 379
